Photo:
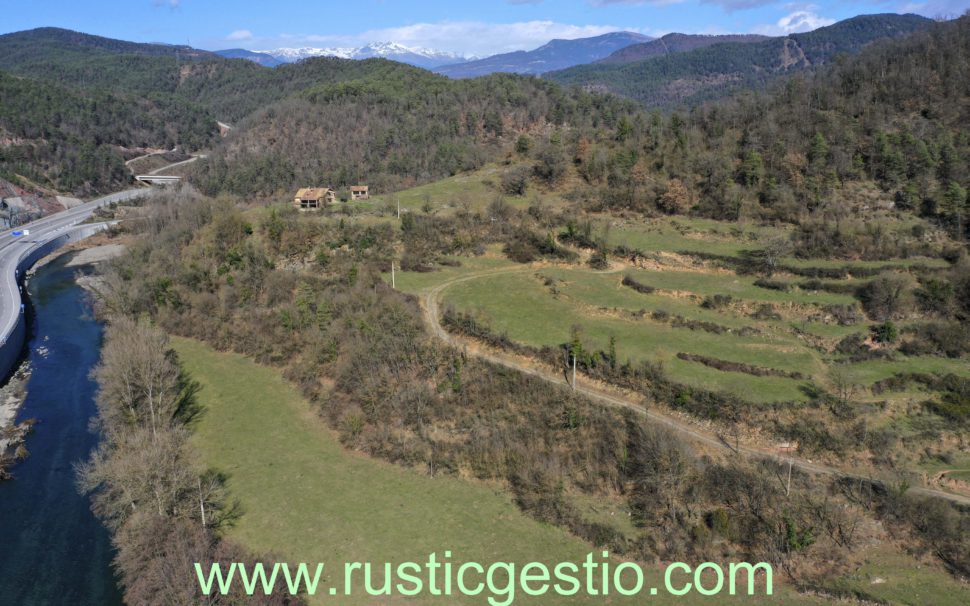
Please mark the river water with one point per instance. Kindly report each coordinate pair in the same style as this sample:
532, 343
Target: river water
53, 550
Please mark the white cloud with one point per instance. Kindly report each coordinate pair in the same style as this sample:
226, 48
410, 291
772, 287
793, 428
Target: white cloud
168, 3
798, 21
465, 37
240, 34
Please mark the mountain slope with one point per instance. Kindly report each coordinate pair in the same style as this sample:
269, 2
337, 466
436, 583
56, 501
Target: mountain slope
557, 54
392, 126
717, 70
878, 134
675, 43
73, 141
15, 46
264, 59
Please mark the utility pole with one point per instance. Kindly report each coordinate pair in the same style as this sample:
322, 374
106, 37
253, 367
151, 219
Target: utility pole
788, 485
393, 284
201, 502
398, 200
574, 371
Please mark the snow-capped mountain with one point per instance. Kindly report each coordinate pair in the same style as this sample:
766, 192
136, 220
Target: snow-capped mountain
421, 57
554, 55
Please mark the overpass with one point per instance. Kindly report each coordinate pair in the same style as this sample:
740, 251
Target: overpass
159, 179
19, 253
153, 178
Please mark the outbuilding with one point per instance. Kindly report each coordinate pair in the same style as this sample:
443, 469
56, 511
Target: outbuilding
359, 192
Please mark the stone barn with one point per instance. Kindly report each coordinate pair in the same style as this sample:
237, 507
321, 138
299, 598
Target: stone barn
314, 198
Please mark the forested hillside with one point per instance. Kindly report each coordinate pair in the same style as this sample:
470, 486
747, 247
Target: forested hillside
686, 78
336, 121
675, 43
323, 120
393, 126
70, 139
885, 129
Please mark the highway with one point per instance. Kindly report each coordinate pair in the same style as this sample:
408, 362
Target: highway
15, 249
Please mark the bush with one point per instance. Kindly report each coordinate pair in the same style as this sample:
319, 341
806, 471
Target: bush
717, 301
950, 339
525, 246
935, 296
888, 296
766, 312
640, 287
954, 405
885, 333
845, 315
515, 181
771, 284
598, 260
728, 366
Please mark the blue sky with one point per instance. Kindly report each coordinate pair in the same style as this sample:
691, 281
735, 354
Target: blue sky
478, 27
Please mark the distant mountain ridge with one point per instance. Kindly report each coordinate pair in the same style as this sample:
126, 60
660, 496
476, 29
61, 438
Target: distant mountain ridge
29, 42
264, 59
555, 55
420, 57
675, 43
668, 79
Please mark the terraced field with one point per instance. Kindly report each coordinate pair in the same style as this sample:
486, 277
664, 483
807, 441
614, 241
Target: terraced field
685, 309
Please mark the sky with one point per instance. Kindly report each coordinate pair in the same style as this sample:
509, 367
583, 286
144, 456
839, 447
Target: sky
467, 27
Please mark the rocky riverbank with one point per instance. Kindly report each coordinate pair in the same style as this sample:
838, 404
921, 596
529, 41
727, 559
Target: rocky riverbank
13, 393
12, 434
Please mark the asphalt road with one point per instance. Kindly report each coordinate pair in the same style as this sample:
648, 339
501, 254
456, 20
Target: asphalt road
42, 231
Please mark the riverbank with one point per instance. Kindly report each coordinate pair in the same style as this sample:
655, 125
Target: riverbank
46, 526
12, 434
14, 392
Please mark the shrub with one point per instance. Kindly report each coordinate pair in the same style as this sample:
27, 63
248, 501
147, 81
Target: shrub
728, 366
771, 284
887, 296
885, 333
515, 181
951, 339
717, 301
766, 312
598, 260
640, 287
845, 315
935, 296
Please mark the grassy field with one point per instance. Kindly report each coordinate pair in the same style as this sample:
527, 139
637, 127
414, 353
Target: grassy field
539, 306
697, 235
523, 307
682, 235
473, 191
897, 578
305, 498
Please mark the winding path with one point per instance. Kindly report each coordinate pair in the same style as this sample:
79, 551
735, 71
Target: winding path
614, 398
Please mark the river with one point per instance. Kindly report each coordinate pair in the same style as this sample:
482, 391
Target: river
52, 549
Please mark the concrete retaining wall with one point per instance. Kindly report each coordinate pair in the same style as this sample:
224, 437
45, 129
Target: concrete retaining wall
12, 344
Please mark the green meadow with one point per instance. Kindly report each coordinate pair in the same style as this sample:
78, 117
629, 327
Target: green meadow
305, 498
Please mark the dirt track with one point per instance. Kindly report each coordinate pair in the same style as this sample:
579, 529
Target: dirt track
614, 398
